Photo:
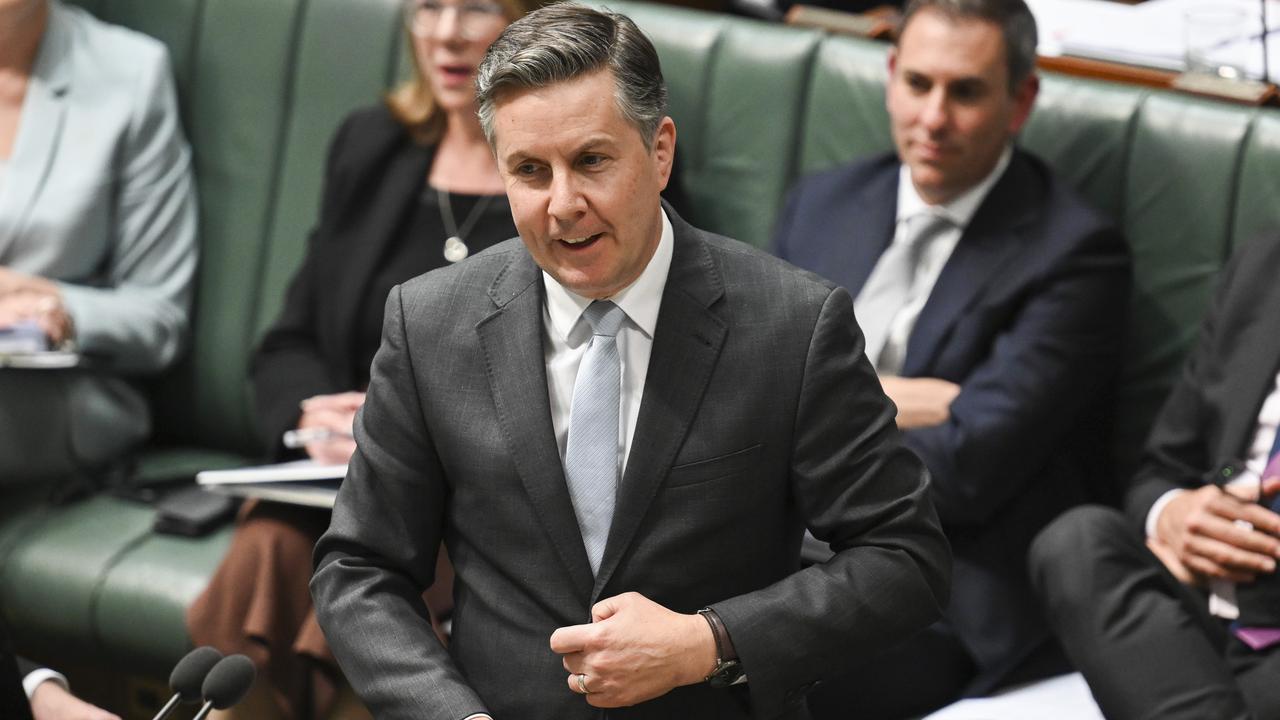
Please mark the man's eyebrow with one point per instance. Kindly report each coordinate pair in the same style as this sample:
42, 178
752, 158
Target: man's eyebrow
971, 82
592, 142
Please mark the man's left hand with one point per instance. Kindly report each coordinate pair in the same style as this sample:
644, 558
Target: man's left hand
634, 650
922, 402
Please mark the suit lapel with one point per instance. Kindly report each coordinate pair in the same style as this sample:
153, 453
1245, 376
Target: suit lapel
511, 339
869, 221
43, 116
992, 238
1249, 379
686, 343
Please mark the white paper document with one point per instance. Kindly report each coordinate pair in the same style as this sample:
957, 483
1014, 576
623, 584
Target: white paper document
1153, 33
1065, 697
303, 482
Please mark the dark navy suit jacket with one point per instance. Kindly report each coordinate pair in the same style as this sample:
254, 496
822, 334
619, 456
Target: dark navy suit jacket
1027, 317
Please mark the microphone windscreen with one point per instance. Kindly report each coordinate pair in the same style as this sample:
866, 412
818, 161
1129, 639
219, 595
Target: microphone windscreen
228, 681
189, 674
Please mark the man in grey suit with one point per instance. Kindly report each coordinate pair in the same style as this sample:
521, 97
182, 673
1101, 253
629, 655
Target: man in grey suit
620, 427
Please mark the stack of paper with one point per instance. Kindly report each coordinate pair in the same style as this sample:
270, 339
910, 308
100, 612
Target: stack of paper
22, 337
1152, 33
303, 482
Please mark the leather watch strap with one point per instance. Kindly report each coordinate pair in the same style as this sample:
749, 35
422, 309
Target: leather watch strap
724, 646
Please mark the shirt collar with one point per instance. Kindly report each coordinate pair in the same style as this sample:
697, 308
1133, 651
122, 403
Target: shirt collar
959, 210
640, 300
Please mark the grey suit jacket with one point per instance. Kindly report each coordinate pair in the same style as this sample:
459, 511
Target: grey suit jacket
99, 197
760, 417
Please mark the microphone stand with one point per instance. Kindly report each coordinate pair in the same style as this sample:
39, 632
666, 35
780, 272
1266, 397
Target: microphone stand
168, 707
204, 711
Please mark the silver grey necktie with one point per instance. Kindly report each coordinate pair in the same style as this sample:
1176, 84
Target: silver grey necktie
591, 455
893, 286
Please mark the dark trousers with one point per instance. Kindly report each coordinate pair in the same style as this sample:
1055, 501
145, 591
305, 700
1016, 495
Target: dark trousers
922, 674
927, 672
1145, 642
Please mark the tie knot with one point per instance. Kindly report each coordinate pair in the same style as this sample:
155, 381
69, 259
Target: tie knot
604, 317
924, 226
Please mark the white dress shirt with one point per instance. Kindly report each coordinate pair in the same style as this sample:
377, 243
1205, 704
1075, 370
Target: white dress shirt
35, 678
1222, 600
567, 336
933, 257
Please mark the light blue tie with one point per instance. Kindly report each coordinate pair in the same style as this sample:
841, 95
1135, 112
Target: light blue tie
591, 455
893, 285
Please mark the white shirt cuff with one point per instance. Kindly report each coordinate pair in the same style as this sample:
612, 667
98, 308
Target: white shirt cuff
35, 678
1157, 507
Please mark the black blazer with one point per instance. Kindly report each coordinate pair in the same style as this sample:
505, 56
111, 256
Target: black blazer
1027, 317
1211, 415
374, 176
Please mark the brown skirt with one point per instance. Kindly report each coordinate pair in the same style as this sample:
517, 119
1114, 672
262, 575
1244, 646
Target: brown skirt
258, 603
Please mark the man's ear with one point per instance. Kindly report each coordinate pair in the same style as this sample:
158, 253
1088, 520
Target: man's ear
1024, 98
664, 150
891, 63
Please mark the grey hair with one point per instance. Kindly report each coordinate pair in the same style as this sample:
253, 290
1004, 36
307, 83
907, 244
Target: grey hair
565, 41
1017, 25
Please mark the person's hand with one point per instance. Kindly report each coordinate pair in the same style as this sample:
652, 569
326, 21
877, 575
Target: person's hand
1169, 559
1217, 534
336, 413
922, 402
12, 281
45, 309
634, 650
51, 701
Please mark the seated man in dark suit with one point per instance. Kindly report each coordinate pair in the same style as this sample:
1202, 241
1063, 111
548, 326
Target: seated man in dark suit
1172, 612
991, 297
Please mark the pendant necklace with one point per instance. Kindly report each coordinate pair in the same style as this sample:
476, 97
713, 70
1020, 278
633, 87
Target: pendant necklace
455, 247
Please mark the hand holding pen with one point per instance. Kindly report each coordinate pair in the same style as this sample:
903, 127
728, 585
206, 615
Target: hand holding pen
325, 427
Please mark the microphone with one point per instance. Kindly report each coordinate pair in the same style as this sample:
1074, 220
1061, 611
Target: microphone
187, 676
227, 684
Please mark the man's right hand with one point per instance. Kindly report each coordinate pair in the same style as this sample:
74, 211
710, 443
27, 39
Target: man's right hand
1203, 529
922, 402
51, 701
336, 413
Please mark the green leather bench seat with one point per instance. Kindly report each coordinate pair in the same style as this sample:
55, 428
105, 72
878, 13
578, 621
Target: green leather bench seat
263, 84
86, 575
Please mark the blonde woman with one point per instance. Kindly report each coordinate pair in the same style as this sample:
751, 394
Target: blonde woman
411, 185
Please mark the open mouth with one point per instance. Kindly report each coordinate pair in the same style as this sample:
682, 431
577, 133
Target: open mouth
455, 74
580, 243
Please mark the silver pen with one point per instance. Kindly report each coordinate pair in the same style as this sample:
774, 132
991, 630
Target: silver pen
303, 437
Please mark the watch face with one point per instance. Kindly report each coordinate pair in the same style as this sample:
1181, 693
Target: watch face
725, 674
